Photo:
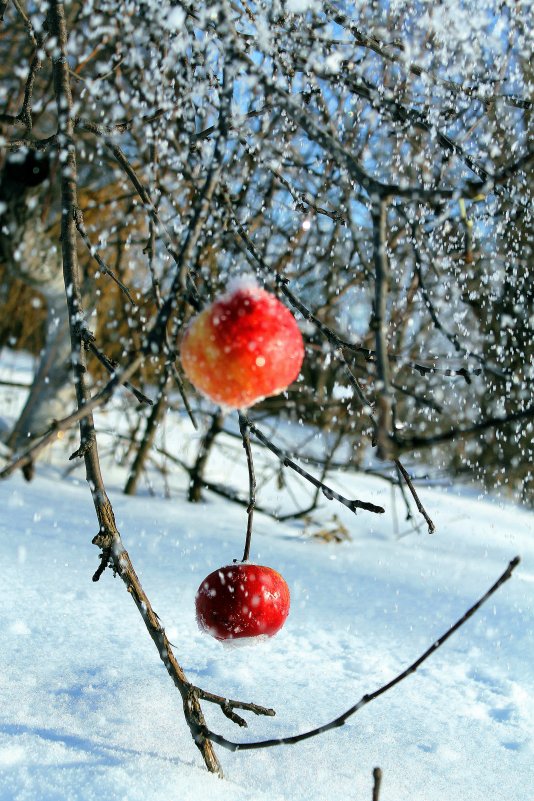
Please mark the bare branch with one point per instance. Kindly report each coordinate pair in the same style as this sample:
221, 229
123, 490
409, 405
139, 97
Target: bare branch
403, 444
244, 429
366, 699
327, 491
81, 413
379, 325
227, 706
110, 364
78, 218
377, 781
35, 38
108, 538
406, 476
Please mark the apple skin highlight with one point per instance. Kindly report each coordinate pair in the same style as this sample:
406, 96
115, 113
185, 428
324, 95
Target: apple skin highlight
242, 348
242, 600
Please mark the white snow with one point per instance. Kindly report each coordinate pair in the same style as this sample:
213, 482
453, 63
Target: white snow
87, 710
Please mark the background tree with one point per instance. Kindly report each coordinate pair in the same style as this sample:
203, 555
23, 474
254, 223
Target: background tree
307, 115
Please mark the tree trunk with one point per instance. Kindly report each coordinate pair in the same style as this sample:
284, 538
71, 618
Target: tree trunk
31, 256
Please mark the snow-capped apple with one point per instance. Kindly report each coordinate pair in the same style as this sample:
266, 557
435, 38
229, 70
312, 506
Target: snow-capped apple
242, 600
244, 347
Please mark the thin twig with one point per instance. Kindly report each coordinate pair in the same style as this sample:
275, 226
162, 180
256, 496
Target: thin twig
181, 389
81, 413
244, 429
403, 444
110, 364
377, 781
143, 449
227, 704
406, 476
366, 699
36, 41
400, 484
78, 218
379, 325
327, 491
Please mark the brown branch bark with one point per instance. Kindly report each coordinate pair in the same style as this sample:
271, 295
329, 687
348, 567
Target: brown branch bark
406, 476
156, 414
377, 781
108, 537
197, 482
379, 324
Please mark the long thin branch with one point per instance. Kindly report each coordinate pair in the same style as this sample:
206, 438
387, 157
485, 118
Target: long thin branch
71, 270
403, 444
108, 537
406, 476
81, 413
366, 699
110, 364
379, 324
149, 434
78, 216
327, 491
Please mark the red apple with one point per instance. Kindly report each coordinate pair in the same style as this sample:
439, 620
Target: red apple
242, 348
242, 600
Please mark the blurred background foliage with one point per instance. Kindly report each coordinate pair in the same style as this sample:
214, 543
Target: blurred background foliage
266, 96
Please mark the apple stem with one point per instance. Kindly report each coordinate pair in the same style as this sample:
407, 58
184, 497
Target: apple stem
244, 429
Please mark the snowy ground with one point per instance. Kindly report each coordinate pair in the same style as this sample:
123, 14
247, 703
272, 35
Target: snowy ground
87, 710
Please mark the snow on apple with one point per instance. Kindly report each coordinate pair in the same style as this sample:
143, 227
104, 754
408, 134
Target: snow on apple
243, 347
242, 600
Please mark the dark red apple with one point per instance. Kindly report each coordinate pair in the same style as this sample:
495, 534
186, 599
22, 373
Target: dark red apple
242, 600
242, 348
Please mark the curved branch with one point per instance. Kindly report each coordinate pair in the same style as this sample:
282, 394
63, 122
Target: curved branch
366, 699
